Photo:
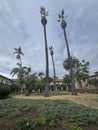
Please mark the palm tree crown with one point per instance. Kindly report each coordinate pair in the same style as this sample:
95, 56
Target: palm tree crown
44, 13
51, 50
41, 74
62, 19
18, 53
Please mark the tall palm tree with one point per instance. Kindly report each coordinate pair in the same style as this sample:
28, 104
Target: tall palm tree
19, 70
63, 26
44, 13
52, 53
18, 53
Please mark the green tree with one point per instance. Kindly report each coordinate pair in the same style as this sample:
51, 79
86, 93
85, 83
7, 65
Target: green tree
52, 53
93, 81
50, 80
80, 69
67, 81
27, 73
18, 53
30, 82
41, 83
40, 74
63, 26
20, 70
44, 13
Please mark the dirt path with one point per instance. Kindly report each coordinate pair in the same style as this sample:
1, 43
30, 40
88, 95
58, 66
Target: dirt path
84, 99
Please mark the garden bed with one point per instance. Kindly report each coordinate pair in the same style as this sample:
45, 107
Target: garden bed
62, 114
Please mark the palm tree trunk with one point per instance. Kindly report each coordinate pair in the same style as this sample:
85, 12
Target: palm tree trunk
46, 94
73, 88
20, 62
54, 71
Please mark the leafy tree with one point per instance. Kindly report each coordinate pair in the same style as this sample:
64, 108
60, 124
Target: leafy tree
80, 69
63, 26
93, 81
20, 70
67, 81
27, 73
30, 82
44, 13
41, 74
41, 82
52, 53
50, 79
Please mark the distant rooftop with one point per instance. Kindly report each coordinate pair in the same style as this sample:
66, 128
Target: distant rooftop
7, 75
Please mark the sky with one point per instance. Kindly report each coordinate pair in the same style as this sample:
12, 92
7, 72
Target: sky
20, 25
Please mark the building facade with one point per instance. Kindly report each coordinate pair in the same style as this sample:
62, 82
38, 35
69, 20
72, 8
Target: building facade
5, 81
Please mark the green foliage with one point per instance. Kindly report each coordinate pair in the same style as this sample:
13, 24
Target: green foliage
31, 82
67, 81
80, 68
93, 82
4, 92
39, 121
74, 126
95, 99
92, 91
52, 124
50, 79
51, 87
25, 124
14, 88
50, 110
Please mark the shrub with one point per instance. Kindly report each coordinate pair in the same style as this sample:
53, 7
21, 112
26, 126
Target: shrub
74, 126
51, 87
52, 124
40, 121
14, 88
4, 92
25, 124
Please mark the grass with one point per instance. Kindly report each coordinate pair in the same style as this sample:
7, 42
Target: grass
95, 99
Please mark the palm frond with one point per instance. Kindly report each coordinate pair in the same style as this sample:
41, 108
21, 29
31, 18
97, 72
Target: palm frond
19, 65
15, 49
59, 16
14, 71
62, 12
21, 53
58, 20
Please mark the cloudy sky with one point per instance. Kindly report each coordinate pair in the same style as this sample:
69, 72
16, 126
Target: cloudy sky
20, 26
